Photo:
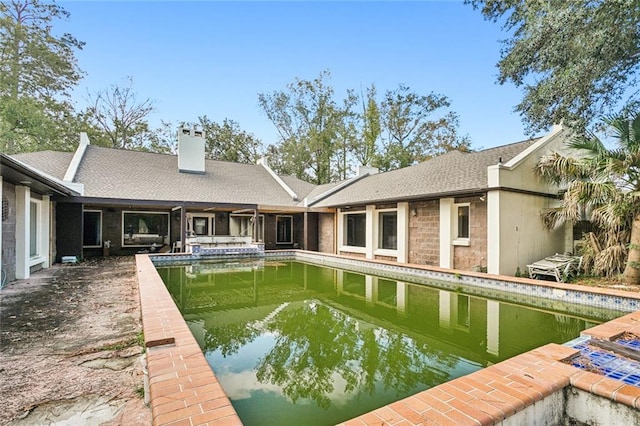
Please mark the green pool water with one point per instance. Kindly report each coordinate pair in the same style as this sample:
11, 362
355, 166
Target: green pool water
299, 344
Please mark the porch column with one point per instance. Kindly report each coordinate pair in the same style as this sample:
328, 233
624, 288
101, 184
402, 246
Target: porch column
305, 231
183, 229
446, 232
338, 222
45, 230
493, 232
23, 220
403, 232
256, 226
371, 223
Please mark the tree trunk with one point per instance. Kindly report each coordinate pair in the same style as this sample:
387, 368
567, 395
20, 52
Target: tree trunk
632, 270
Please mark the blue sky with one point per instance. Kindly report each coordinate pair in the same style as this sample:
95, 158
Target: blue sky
214, 58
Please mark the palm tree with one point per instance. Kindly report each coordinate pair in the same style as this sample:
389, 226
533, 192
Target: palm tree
606, 184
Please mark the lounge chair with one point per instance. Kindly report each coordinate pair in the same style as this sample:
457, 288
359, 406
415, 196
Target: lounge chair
560, 266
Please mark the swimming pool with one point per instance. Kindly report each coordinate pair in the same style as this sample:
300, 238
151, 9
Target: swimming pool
297, 343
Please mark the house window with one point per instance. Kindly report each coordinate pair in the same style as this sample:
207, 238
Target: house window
284, 229
388, 230
242, 225
34, 229
145, 228
201, 224
92, 228
355, 229
463, 221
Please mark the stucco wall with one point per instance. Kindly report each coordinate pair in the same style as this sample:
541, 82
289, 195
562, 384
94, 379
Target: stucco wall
9, 232
424, 232
326, 241
520, 237
475, 254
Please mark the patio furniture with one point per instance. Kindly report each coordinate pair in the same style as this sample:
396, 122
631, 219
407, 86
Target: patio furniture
559, 266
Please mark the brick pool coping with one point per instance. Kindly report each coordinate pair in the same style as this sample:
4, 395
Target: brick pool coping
185, 391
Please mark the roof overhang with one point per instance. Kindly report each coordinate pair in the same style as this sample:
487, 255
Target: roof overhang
19, 173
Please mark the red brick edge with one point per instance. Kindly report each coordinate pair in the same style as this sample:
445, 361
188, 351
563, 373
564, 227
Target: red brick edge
183, 388
492, 394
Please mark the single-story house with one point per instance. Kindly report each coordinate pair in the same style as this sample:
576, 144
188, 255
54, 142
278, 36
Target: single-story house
478, 210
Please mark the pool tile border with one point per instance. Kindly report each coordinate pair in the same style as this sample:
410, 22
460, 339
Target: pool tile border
185, 391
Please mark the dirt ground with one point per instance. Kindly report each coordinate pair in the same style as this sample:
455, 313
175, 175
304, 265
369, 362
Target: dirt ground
71, 345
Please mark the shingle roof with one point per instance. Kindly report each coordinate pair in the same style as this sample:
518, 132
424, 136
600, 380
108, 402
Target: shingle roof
449, 173
299, 186
54, 163
114, 173
134, 175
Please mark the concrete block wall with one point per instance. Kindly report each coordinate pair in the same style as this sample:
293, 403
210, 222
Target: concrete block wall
424, 232
326, 241
9, 232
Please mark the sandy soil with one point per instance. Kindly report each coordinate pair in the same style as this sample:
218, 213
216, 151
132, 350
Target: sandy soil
70, 347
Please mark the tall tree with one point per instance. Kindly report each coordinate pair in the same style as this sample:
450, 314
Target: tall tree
228, 142
365, 150
575, 60
38, 69
307, 120
417, 127
120, 116
606, 183
163, 139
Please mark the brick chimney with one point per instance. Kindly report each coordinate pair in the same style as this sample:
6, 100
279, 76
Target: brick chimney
190, 150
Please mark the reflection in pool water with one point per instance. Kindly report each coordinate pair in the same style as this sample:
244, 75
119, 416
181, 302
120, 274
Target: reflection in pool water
294, 343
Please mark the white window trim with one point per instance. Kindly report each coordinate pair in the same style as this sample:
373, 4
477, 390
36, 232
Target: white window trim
38, 258
377, 230
167, 237
100, 236
457, 241
342, 243
211, 217
291, 219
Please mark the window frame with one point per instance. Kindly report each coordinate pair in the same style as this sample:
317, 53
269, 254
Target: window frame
99, 229
211, 223
461, 240
260, 225
380, 230
290, 218
35, 221
167, 236
345, 223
